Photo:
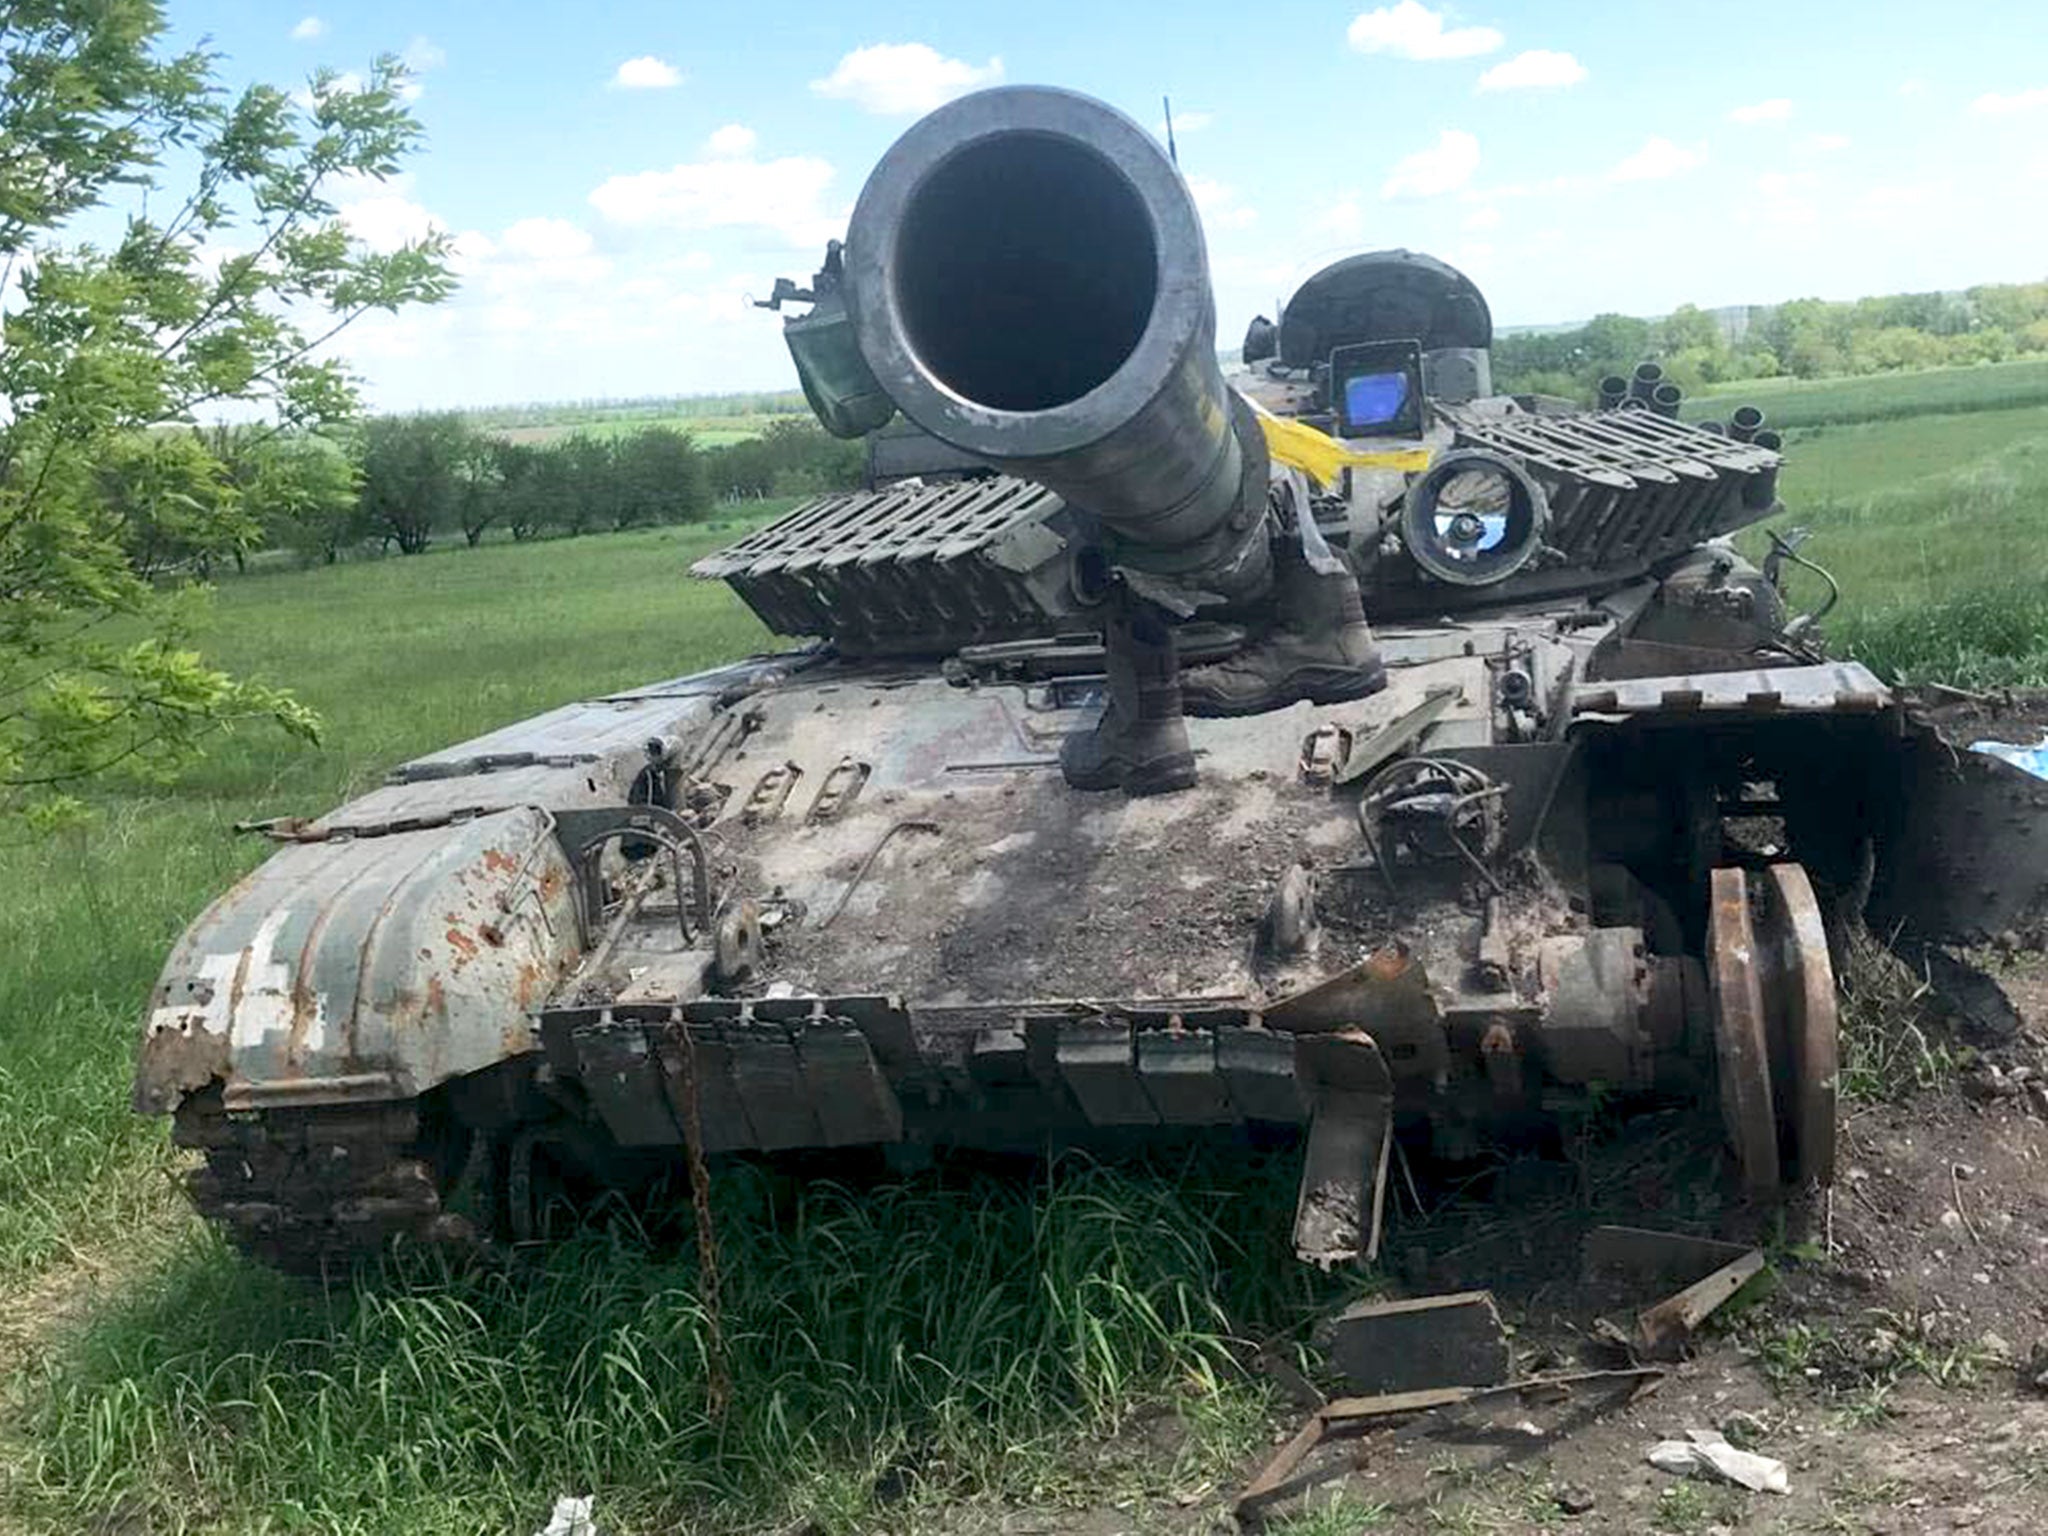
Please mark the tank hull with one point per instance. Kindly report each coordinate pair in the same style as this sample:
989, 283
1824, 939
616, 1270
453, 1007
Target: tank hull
915, 936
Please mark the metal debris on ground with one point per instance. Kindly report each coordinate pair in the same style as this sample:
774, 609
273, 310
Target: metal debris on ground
1352, 1413
1710, 1272
1705, 1453
572, 1516
1429, 1341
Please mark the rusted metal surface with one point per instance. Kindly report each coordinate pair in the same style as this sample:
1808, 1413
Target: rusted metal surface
1805, 978
1741, 1041
363, 968
1663, 1330
1344, 1159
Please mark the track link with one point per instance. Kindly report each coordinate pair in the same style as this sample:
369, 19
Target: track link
312, 1191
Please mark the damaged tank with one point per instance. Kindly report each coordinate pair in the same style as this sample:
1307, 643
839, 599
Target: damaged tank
1091, 804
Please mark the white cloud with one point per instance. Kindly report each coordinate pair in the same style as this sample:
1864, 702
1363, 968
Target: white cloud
1538, 69
900, 78
541, 239
1548, 187
783, 196
1432, 172
646, 73
309, 27
382, 214
423, 54
540, 253
1220, 205
1827, 143
1992, 104
1776, 110
733, 139
1657, 159
1912, 87
1482, 218
1187, 122
1901, 197
1412, 31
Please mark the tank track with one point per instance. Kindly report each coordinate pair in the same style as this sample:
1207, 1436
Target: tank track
313, 1191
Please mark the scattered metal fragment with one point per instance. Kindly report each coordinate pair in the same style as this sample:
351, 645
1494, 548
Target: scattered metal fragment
1652, 1257
1355, 1412
1710, 1271
572, 1516
1664, 1329
1400, 1346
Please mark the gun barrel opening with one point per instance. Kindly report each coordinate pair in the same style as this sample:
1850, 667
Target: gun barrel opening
1028, 271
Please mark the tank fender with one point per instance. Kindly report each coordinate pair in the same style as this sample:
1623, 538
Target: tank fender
358, 969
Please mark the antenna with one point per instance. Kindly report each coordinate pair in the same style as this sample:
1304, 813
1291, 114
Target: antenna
1172, 150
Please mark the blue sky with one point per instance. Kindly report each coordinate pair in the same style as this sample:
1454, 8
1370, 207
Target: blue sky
619, 178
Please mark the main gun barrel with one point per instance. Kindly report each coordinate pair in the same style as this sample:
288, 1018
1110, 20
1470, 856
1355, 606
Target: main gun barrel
1026, 280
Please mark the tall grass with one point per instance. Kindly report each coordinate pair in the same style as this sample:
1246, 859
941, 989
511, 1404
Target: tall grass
1943, 578
976, 1335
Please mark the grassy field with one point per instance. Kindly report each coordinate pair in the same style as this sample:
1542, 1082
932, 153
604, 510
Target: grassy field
715, 421
707, 431
1934, 525
1880, 397
997, 1337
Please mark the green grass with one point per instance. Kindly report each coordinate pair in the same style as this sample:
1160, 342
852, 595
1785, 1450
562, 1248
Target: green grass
1879, 397
1942, 575
1826, 463
986, 1338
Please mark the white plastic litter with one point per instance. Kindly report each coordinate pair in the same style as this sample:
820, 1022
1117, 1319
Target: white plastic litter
572, 1517
2032, 759
1705, 1453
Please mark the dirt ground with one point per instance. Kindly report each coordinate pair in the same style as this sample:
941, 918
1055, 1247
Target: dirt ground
1890, 1362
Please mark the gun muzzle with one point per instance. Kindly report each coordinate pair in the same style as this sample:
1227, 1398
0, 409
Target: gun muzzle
1664, 400
1643, 386
1744, 422
1026, 280
1613, 390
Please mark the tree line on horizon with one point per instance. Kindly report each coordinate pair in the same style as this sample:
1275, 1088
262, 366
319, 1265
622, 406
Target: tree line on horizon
1803, 338
192, 499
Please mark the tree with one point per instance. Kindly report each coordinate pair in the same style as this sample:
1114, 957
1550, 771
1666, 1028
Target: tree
164, 248
591, 467
412, 477
661, 478
170, 504
479, 483
302, 491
